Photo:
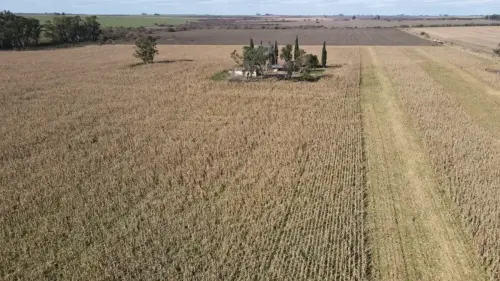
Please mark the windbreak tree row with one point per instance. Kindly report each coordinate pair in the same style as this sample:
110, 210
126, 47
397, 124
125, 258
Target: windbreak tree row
17, 32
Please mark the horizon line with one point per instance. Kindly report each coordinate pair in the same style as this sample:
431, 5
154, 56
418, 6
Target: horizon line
256, 14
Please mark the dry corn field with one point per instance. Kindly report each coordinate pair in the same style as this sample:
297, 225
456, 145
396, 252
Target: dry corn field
387, 169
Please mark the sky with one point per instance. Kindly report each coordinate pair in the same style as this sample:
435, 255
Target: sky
252, 7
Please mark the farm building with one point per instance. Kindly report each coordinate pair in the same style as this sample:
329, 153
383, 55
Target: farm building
277, 67
241, 72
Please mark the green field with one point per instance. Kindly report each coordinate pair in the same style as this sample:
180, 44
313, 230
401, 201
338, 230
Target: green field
125, 21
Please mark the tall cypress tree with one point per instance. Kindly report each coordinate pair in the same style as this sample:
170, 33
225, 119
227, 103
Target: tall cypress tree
323, 55
296, 51
276, 52
251, 43
271, 53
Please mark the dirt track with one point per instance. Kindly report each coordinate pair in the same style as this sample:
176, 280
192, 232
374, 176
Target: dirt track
365, 37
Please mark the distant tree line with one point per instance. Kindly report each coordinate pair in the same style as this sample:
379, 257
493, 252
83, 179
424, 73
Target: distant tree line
17, 32
493, 17
73, 29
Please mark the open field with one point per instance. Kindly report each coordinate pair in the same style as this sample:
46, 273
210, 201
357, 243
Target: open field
124, 21
286, 22
339, 22
157, 171
386, 37
385, 170
480, 38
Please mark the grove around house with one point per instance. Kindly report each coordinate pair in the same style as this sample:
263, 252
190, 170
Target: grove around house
264, 62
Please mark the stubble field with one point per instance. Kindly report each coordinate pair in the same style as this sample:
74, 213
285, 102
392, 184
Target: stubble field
385, 170
478, 38
363, 22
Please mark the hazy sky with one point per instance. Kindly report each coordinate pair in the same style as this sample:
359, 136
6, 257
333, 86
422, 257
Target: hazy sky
249, 7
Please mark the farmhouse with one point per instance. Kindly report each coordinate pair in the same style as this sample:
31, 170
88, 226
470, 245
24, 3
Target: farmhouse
437, 42
239, 71
277, 67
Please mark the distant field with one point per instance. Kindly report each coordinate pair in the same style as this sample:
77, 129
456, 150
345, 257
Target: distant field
127, 21
480, 38
382, 37
364, 22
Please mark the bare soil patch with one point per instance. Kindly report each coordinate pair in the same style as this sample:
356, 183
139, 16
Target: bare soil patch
349, 36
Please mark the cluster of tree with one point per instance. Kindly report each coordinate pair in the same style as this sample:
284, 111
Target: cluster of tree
258, 59
302, 62
73, 29
17, 31
493, 17
253, 60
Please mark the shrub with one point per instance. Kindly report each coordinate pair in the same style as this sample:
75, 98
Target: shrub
311, 61
497, 50
171, 29
146, 49
307, 76
131, 36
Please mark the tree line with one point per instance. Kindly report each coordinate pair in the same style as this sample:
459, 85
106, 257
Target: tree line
18, 32
493, 17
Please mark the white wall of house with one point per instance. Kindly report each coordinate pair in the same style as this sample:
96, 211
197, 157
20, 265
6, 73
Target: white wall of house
241, 73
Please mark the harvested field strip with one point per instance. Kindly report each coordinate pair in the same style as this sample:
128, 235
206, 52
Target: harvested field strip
468, 63
119, 173
464, 155
480, 101
388, 259
414, 235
